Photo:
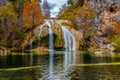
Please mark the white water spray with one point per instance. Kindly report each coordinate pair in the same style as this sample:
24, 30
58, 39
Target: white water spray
51, 48
69, 39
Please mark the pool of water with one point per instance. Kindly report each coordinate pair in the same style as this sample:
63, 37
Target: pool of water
60, 65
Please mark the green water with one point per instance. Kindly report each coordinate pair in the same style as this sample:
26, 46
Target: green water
59, 65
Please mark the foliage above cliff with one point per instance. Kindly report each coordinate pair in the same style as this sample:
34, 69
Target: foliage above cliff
32, 14
76, 12
8, 11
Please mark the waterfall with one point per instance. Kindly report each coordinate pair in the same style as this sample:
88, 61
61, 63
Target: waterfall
38, 33
51, 48
50, 39
69, 39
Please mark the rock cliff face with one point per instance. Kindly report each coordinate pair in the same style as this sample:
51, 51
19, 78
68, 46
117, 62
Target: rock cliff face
100, 7
111, 17
105, 9
108, 16
3, 2
105, 21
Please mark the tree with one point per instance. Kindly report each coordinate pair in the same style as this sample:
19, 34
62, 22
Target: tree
46, 9
76, 2
8, 11
70, 2
116, 42
73, 13
8, 17
81, 2
32, 15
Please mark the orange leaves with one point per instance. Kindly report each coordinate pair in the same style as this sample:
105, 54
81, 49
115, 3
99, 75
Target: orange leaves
32, 14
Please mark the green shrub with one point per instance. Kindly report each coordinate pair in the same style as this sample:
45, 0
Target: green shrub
19, 35
3, 42
116, 42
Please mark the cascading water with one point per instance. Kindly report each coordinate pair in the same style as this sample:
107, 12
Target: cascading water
38, 33
51, 48
69, 39
50, 39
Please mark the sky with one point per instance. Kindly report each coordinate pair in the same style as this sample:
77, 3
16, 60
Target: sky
55, 6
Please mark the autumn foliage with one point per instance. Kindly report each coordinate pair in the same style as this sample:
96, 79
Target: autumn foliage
8, 11
73, 13
32, 14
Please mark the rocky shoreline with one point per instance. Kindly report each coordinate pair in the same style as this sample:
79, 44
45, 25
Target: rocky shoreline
4, 50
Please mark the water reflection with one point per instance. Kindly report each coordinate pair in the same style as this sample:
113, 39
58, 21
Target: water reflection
31, 58
61, 65
69, 59
51, 65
